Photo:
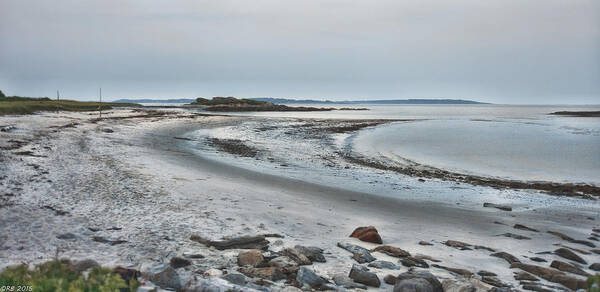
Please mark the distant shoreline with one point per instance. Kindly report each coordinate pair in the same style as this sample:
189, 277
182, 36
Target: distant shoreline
313, 101
577, 113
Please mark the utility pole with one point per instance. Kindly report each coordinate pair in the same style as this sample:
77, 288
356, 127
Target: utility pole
57, 99
100, 105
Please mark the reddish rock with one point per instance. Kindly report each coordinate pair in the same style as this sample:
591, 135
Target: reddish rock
367, 234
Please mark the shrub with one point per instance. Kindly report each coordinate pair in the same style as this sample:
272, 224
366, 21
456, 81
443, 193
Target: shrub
60, 275
593, 283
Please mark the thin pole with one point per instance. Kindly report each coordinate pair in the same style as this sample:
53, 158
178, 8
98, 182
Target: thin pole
100, 106
57, 99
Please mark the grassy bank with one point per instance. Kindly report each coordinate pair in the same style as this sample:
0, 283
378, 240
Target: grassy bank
22, 106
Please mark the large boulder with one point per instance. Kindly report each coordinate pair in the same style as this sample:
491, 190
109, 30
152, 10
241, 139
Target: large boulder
565, 267
417, 281
367, 234
359, 254
362, 275
252, 257
551, 275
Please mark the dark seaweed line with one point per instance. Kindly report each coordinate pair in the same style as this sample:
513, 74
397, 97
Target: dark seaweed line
568, 189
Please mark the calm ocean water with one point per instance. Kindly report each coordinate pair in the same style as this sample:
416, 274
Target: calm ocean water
515, 142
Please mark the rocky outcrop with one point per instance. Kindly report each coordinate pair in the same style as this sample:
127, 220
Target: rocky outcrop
391, 251
285, 264
359, 254
524, 276
362, 275
367, 234
565, 267
251, 258
414, 262
177, 262
551, 275
595, 267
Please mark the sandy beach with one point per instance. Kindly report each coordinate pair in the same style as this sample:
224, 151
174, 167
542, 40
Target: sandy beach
125, 190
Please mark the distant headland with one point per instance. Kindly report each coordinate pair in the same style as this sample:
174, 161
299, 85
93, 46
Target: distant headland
316, 101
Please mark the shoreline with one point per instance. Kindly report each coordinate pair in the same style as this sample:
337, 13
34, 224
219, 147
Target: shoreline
141, 178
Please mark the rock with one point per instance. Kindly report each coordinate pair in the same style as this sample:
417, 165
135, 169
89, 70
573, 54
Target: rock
501, 207
515, 236
218, 285
567, 254
484, 247
413, 285
570, 239
127, 274
213, 273
524, 276
268, 273
458, 271
537, 259
383, 265
296, 256
234, 278
359, 254
286, 289
565, 267
535, 287
367, 234
308, 277
463, 285
551, 275
523, 227
107, 130
243, 242
391, 251
84, 265
426, 257
425, 243
285, 264
177, 262
362, 275
458, 244
252, 257
596, 251
108, 241
595, 267
506, 256
162, 275
417, 281
389, 279
313, 253
484, 273
494, 281
67, 236
344, 281
414, 262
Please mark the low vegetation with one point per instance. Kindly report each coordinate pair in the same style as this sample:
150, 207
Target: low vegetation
61, 275
27, 105
217, 100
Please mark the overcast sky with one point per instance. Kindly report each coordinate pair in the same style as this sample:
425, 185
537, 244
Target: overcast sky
501, 51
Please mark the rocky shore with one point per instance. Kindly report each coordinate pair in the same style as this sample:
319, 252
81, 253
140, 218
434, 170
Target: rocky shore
122, 191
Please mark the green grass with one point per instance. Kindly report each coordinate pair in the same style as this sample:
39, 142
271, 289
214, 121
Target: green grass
60, 275
22, 106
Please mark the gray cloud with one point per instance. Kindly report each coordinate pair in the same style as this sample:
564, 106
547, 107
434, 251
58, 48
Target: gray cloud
504, 51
